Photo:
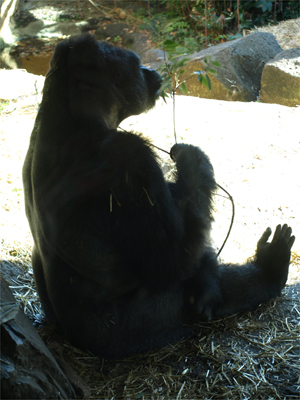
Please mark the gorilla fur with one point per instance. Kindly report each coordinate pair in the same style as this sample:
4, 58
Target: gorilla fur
122, 259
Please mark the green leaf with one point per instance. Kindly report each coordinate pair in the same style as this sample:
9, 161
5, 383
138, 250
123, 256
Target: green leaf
184, 88
165, 83
170, 46
266, 5
206, 82
170, 43
203, 79
216, 63
181, 62
209, 83
211, 70
200, 78
180, 50
171, 23
163, 95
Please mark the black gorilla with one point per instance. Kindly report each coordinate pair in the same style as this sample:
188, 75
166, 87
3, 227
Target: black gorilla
122, 258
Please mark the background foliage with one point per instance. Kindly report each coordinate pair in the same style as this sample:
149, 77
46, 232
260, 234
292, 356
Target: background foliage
195, 24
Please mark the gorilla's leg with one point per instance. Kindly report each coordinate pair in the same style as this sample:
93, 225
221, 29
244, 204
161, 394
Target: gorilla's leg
134, 323
151, 320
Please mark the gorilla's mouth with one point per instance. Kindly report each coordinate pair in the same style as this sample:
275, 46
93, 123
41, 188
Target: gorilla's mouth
153, 79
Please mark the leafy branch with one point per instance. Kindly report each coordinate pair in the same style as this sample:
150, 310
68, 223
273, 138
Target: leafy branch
172, 71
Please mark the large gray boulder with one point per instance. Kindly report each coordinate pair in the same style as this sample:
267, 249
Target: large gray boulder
242, 62
280, 82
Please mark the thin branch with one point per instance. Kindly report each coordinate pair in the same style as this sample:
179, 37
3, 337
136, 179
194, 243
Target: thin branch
232, 218
173, 95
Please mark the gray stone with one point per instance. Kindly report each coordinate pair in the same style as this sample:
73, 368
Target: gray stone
242, 61
154, 58
31, 30
280, 81
111, 30
51, 29
136, 42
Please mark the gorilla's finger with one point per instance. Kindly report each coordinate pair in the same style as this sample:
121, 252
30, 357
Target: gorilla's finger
264, 237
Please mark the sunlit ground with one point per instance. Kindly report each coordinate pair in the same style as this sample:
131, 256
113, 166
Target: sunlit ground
254, 149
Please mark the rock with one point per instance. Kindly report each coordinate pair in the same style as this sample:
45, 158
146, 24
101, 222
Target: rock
49, 29
28, 369
136, 42
280, 82
16, 83
10, 270
111, 30
122, 15
30, 30
242, 61
154, 58
9, 59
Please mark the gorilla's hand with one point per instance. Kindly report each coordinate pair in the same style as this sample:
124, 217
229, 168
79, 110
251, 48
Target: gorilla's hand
273, 258
181, 150
190, 158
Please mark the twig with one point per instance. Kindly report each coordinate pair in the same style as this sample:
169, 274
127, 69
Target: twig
174, 116
232, 219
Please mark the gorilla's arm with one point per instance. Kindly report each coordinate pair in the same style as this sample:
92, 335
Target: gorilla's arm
245, 287
193, 194
121, 216
239, 288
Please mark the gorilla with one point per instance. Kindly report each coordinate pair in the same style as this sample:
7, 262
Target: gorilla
123, 259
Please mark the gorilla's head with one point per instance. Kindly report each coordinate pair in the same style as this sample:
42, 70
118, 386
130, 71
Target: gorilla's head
100, 81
